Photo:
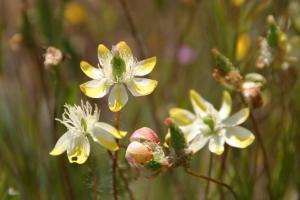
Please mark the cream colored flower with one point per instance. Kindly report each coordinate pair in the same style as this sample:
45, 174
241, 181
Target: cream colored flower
116, 69
81, 121
208, 125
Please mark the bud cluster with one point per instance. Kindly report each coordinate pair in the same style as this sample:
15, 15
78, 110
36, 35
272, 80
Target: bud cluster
144, 150
250, 85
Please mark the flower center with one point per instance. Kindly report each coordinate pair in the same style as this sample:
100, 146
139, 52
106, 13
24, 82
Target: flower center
209, 121
118, 67
83, 125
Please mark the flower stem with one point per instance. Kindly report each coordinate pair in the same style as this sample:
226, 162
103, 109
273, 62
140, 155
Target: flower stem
222, 170
258, 135
114, 157
208, 174
189, 171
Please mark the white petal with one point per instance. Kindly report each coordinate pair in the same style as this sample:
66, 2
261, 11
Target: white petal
238, 137
95, 88
144, 67
90, 71
237, 118
216, 144
181, 116
105, 137
226, 106
198, 142
104, 127
117, 98
61, 145
104, 55
141, 86
79, 150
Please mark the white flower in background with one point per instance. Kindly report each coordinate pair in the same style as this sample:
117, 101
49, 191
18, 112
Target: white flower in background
208, 125
81, 121
117, 68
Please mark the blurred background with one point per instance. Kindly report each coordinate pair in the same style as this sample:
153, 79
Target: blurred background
181, 33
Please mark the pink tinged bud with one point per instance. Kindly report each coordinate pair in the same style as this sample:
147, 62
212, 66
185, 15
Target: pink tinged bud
168, 121
144, 133
138, 153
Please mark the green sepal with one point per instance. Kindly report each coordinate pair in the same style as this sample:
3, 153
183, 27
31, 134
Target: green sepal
153, 165
177, 140
222, 62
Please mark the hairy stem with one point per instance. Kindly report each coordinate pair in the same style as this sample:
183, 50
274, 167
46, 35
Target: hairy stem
115, 159
189, 171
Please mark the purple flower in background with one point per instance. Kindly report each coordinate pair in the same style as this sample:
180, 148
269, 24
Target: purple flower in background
185, 55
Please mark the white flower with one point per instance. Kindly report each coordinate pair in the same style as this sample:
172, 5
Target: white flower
118, 67
81, 121
208, 125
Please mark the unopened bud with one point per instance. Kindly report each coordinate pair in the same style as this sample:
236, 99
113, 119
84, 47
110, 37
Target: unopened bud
144, 133
256, 78
138, 153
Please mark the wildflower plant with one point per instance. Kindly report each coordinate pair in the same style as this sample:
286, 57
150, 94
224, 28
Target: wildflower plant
82, 122
116, 69
215, 127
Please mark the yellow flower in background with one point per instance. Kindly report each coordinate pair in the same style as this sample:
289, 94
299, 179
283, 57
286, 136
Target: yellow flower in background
209, 125
116, 69
237, 3
74, 13
82, 122
242, 46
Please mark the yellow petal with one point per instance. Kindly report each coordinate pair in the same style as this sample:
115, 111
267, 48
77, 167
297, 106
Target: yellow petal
199, 104
238, 137
118, 98
104, 55
105, 138
80, 151
90, 71
144, 67
181, 116
141, 86
104, 127
216, 145
61, 145
95, 88
226, 106
124, 49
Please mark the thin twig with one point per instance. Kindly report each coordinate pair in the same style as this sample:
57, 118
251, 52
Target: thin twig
189, 171
258, 135
209, 175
